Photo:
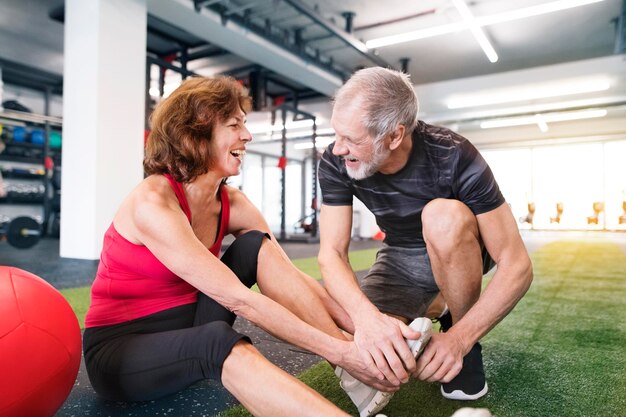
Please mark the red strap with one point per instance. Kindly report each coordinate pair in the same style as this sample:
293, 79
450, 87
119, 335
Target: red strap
224, 218
180, 194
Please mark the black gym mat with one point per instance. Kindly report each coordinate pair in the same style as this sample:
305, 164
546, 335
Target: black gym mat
206, 398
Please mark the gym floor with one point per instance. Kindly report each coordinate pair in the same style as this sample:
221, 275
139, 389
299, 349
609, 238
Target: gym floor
203, 399
206, 398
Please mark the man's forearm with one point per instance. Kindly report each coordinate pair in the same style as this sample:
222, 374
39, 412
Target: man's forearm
341, 283
282, 323
504, 291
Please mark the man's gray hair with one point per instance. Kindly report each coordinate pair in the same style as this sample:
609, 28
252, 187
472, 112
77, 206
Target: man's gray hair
387, 96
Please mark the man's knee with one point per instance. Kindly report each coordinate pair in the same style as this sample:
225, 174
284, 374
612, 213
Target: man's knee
448, 222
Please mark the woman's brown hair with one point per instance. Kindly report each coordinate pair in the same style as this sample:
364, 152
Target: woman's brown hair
182, 125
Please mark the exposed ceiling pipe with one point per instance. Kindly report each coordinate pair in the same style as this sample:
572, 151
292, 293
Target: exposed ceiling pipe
340, 34
373, 25
404, 64
349, 16
207, 25
396, 20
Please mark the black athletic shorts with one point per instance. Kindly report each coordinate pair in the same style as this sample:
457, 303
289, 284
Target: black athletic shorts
162, 353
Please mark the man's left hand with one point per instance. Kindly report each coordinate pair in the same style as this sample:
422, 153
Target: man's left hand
441, 360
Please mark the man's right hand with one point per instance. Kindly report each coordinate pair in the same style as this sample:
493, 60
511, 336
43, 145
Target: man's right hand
381, 342
370, 375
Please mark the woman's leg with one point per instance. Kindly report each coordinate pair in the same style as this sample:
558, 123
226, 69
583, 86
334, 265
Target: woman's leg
144, 367
241, 258
254, 257
266, 390
263, 388
153, 361
280, 280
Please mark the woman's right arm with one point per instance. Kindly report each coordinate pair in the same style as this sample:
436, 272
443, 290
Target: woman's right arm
160, 225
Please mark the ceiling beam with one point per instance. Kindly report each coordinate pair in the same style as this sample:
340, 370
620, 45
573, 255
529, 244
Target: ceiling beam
229, 35
342, 35
620, 31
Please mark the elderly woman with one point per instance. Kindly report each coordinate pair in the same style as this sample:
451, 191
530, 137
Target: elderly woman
163, 301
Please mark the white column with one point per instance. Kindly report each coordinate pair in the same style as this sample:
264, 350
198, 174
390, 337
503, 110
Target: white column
103, 117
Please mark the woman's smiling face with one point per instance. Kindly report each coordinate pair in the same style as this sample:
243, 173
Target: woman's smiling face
228, 145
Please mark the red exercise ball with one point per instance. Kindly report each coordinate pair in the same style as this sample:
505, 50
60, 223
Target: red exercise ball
40, 346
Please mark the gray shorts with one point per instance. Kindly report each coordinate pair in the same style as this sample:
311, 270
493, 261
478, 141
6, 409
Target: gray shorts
401, 281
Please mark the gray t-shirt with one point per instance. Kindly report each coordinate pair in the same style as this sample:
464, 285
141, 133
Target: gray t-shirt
442, 164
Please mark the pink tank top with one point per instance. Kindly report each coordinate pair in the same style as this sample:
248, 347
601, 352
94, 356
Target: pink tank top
132, 283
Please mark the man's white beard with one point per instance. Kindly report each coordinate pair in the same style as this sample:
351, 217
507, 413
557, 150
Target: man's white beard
367, 169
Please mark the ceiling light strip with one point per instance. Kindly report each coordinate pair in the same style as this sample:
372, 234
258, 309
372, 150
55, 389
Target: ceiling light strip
518, 14
416, 35
476, 30
529, 94
540, 9
543, 118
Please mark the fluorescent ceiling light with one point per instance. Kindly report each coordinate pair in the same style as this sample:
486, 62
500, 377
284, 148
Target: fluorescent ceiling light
541, 122
319, 143
522, 13
416, 35
571, 105
292, 135
540, 108
266, 128
525, 93
476, 30
168, 88
543, 118
545, 8
325, 132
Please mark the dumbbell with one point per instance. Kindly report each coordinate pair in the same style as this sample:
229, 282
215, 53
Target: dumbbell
22, 232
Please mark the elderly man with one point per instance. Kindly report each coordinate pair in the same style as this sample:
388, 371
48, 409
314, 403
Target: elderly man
445, 221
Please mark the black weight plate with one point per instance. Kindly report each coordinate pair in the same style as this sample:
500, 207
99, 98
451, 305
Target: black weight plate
23, 232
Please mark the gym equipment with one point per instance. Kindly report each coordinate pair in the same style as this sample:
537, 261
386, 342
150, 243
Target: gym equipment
22, 232
55, 140
598, 207
19, 134
310, 232
529, 216
37, 137
40, 345
559, 212
15, 105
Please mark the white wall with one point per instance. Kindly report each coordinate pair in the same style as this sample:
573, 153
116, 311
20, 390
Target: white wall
104, 99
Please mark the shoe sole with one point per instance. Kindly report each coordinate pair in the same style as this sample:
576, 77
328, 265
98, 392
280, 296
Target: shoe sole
375, 404
380, 401
421, 325
461, 396
424, 326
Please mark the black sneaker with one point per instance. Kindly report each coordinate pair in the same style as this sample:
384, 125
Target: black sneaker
445, 321
470, 383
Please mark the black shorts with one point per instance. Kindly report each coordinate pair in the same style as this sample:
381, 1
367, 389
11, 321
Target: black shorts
162, 353
401, 281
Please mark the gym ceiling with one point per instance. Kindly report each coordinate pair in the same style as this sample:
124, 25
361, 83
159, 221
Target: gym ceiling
305, 48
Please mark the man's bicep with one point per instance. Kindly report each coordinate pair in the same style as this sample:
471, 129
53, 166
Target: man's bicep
499, 233
475, 184
335, 228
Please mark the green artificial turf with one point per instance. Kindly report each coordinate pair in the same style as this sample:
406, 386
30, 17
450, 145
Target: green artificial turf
79, 297
561, 352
